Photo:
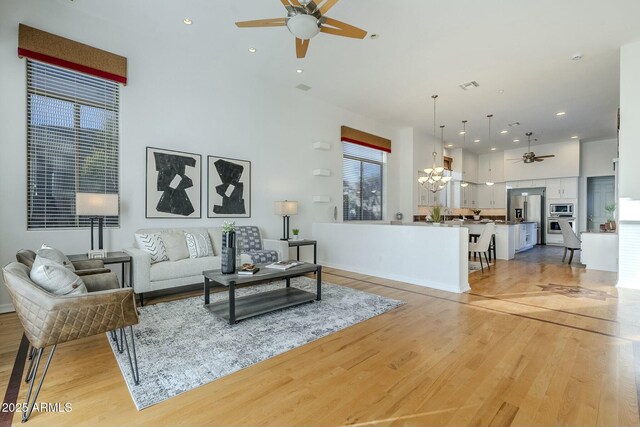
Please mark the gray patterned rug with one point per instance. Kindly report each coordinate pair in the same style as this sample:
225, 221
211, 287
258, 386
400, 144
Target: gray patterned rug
181, 345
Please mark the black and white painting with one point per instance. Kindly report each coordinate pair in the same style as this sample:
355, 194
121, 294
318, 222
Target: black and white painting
229, 188
173, 184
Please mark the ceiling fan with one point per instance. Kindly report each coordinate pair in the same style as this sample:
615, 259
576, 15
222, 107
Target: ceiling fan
305, 19
530, 156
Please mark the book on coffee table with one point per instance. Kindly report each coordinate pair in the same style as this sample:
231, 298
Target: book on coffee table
250, 272
284, 265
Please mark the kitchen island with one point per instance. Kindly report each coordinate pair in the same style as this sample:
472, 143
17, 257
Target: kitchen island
511, 237
416, 253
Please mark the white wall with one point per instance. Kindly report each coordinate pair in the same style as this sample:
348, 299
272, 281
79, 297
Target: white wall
629, 174
183, 100
566, 162
596, 159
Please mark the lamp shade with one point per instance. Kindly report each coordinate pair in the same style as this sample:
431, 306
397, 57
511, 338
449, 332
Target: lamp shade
95, 204
285, 207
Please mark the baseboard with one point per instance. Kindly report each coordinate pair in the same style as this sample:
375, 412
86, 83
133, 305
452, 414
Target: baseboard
6, 308
397, 277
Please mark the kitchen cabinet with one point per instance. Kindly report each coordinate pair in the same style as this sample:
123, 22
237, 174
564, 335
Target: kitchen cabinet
536, 183
525, 236
470, 167
470, 197
493, 161
562, 188
492, 197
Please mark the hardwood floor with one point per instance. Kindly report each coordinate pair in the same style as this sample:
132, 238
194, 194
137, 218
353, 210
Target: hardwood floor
512, 351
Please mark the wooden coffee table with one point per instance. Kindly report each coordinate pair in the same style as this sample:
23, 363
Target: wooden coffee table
236, 309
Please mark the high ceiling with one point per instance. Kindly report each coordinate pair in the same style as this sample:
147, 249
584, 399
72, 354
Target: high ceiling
519, 51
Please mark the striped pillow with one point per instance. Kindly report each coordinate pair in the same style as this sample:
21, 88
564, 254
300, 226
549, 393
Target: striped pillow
199, 245
153, 244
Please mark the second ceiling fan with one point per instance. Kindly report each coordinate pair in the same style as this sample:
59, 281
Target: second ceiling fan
305, 19
530, 156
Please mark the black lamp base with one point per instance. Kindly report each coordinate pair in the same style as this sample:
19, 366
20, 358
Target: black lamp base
285, 227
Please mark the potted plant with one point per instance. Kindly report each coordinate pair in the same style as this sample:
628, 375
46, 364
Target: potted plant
611, 219
228, 253
436, 215
476, 214
296, 232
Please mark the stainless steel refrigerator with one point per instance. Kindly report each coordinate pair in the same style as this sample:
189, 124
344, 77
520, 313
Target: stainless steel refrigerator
529, 208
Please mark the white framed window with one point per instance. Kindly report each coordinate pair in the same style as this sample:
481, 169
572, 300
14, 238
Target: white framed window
72, 143
362, 182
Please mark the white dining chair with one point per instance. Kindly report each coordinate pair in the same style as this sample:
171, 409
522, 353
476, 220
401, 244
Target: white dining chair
483, 243
570, 240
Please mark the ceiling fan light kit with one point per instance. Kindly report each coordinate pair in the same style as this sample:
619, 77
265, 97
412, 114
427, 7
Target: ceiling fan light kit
305, 19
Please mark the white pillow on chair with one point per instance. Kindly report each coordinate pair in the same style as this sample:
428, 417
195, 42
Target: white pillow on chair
55, 278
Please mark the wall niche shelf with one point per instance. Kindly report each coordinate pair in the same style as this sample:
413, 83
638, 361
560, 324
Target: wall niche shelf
322, 172
321, 199
321, 145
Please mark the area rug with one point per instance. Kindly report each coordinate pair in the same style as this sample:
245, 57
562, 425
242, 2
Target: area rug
181, 345
474, 266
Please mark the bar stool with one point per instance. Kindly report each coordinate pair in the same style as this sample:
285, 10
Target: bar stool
473, 238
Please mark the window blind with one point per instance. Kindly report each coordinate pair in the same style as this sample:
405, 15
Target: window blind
362, 182
72, 143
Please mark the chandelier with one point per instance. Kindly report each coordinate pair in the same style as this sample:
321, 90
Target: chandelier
434, 178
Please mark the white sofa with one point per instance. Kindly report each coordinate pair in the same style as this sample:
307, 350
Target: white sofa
149, 277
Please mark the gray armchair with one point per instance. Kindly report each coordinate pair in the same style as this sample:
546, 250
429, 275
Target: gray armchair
83, 268
49, 319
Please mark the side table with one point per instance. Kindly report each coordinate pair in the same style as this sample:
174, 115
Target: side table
304, 242
119, 257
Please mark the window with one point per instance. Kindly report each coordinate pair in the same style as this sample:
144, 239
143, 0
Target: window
72, 143
362, 183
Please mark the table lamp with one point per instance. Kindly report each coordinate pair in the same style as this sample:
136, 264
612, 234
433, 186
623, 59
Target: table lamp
97, 206
285, 208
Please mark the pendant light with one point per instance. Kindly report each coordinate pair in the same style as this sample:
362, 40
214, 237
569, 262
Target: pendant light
434, 179
490, 181
464, 183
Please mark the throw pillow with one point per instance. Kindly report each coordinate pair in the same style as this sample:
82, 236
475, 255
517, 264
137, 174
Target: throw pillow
55, 278
176, 245
199, 245
152, 243
55, 255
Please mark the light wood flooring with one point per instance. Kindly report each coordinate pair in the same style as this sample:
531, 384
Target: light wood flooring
530, 344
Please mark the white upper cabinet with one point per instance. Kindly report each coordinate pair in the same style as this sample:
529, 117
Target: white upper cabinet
493, 161
470, 166
492, 197
562, 188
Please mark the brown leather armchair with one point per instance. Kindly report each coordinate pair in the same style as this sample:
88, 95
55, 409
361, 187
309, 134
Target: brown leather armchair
49, 319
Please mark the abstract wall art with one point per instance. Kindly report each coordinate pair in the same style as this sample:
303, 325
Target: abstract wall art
229, 188
173, 184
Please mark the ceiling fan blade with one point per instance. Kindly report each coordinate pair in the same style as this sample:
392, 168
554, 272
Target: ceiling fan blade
293, 2
328, 4
301, 48
271, 22
538, 159
545, 157
339, 28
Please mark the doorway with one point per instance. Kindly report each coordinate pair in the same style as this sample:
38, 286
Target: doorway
600, 192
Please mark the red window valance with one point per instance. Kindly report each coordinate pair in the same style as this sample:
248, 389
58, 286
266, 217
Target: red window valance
365, 139
52, 49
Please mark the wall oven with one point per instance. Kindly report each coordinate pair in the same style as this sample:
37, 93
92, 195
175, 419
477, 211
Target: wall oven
553, 227
561, 209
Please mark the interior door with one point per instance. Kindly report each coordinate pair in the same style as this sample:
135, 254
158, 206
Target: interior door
600, 192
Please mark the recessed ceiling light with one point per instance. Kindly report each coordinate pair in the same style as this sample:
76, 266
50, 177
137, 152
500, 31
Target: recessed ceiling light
504, 131
574, 137
187, 21
252, 49
516, 140
493, 148
501, 91
476, 140
561, 113
299, 71
462, 132
374, 36
576, 57
449, 145
514, 124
